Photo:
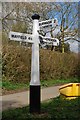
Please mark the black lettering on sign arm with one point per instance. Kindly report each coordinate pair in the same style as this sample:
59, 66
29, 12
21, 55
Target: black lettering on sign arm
15, 36
12, 36
25, 38
18, 36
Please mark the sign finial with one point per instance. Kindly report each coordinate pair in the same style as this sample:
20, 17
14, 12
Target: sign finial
35, 16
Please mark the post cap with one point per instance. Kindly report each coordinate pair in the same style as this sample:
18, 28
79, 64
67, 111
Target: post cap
35, 16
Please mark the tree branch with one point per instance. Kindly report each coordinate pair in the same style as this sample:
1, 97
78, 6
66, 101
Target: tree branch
9, 13
71, 38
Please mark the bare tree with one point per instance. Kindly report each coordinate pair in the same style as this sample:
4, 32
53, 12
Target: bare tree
67, 13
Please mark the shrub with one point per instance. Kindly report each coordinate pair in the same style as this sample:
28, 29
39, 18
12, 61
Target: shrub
16, 63
56, 65
53, 65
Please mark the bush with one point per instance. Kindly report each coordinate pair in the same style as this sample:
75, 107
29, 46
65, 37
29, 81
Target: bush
53, 65
56, 65
16, 63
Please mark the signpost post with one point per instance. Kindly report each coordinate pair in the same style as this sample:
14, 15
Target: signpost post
35, 72
35, 75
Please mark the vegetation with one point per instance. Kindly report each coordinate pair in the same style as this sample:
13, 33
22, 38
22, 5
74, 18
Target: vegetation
16, 64
14, 86
57, 108
9, 86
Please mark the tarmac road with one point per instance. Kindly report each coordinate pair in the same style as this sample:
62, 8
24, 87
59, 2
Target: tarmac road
22, 99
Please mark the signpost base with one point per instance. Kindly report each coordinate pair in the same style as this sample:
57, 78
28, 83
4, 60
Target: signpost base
35, 99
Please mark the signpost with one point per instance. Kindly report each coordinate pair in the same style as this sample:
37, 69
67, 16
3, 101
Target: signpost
35, 72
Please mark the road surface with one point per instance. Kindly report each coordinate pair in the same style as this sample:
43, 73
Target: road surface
22, 99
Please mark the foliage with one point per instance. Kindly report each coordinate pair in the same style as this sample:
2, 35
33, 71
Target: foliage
47, 83
19, 27
9, 85
56, 65
6, 85
16, 64
56, 108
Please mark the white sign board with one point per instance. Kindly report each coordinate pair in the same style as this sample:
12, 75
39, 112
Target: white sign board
49, 40
49, 25
22, 37
45, 23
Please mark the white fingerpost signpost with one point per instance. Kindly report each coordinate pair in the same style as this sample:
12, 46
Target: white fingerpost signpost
35, 73
34, 39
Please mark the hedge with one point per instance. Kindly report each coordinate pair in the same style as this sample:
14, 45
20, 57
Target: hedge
16, 64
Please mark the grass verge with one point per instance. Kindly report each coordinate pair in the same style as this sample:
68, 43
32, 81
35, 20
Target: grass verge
44, 83
53, 109
14, 86
47, 83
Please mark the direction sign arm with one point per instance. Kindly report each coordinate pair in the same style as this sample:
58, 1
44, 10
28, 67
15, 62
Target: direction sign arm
54, 41
21, 37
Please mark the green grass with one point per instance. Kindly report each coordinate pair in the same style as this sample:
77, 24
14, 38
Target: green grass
14, 86
53, 109
47, 83
44, 83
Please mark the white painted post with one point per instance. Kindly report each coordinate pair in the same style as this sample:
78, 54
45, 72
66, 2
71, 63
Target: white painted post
35, 77
35, 72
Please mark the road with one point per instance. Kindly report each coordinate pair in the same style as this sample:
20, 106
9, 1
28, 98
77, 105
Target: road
22, 99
